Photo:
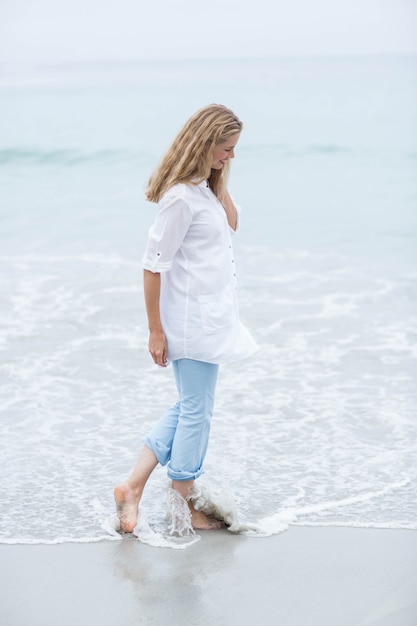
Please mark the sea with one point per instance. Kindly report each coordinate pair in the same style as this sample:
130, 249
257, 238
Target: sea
319, 427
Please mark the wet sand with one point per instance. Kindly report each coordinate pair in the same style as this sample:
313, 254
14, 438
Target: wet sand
302, 577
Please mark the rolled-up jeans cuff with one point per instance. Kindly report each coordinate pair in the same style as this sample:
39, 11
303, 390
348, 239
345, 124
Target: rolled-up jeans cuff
183, 475
160, 450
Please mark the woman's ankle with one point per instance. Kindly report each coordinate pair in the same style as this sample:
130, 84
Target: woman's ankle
184, 488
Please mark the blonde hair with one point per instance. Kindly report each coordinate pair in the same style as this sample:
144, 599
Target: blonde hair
189, 158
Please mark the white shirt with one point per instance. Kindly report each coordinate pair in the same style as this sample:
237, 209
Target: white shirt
190, 245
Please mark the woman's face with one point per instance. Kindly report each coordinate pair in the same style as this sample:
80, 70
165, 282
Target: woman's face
224, 151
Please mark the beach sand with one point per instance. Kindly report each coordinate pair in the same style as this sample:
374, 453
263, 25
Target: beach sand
302, 577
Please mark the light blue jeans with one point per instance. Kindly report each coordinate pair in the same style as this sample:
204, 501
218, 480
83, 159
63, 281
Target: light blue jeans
180, 437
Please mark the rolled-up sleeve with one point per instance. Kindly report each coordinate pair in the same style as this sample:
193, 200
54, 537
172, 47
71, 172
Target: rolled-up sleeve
166, 234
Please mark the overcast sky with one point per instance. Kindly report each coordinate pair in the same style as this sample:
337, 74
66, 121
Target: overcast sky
102, 30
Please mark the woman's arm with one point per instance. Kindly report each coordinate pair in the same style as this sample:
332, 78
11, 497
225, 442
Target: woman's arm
157, 340
230, 209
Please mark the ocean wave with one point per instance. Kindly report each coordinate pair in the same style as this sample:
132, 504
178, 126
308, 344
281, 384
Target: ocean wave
319, 424
64, 157
284, 150
52, 259
33, 541
374, 525
354, 499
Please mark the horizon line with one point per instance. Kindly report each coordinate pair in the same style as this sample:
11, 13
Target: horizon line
185, 59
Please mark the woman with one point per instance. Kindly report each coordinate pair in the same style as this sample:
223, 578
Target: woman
191, 303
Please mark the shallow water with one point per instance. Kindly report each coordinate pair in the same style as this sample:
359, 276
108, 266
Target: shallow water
319, 427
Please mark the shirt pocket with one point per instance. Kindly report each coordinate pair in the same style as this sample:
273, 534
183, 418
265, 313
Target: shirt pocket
218, 310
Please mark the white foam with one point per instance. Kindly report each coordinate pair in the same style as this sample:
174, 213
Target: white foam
221, 505
319, 424
333, 504
112, 526
174, 538
277, 523
30, 541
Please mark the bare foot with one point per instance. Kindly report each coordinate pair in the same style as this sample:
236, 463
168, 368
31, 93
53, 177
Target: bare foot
201, 521
127, 502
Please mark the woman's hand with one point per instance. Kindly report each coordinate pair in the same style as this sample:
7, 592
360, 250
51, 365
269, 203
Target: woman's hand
158, 348
157, 341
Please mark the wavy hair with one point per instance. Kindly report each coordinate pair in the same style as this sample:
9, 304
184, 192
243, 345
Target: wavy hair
189, 158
